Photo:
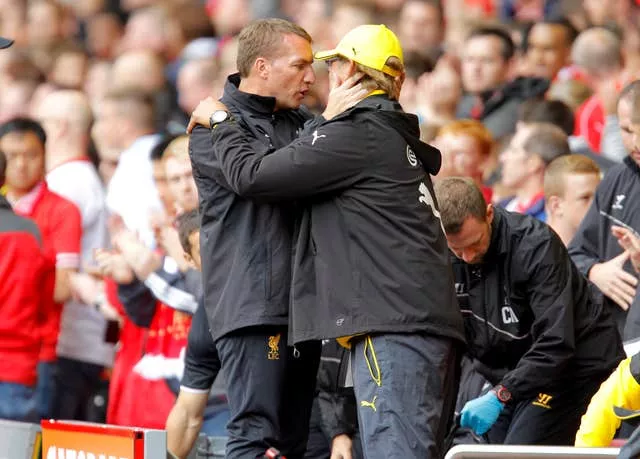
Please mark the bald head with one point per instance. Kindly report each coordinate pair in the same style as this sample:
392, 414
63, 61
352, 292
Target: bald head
69, 105
598, 51
195, 82
142, 70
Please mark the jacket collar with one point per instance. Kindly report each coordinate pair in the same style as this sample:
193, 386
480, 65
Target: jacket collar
498, 245
631, 164
252, 102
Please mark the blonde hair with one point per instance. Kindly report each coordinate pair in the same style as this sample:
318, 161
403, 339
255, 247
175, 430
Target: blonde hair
556, 172
470, 128
378, 80
178, 148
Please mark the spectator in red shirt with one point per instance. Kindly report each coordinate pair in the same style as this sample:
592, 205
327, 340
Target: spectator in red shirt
598, 53
466, 147
26, 290
22, 141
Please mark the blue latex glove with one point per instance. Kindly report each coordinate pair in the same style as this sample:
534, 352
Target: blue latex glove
481, 413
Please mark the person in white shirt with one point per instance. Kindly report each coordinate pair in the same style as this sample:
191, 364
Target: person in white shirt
82, 351
131, 193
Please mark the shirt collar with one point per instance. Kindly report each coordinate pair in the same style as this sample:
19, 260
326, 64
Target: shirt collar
26, 204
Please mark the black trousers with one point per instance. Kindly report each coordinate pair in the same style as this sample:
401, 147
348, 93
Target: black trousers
552, 418
75, 385
270, 391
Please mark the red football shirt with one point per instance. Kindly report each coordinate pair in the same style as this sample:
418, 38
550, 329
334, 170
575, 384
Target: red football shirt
60, 224
27, 296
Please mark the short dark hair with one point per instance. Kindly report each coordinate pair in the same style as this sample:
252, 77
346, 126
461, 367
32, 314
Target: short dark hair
157, 152
547, 141
458, 199
23, 125
3, 167
571, 31
554, 112
416, 64
508, 47
187, 224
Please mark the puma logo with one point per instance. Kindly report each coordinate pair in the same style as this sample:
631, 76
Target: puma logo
371, 404
316, 137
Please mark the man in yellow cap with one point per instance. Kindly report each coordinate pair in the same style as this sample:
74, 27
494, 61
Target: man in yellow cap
371, 264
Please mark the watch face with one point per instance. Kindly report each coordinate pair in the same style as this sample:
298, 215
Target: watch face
219, 116
503, 394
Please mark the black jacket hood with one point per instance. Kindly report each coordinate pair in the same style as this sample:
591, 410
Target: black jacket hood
408, 126
521, 88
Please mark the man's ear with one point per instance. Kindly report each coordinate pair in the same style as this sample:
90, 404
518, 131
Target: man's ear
490, 213
262, 67
554, 206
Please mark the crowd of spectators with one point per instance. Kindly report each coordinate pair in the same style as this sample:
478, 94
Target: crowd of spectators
94, 104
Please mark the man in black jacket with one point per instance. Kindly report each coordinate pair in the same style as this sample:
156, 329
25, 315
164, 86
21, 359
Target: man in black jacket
595, 250
246, 246
370, 264
530, 320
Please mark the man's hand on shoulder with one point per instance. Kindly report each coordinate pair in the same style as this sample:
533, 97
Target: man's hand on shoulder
202, 113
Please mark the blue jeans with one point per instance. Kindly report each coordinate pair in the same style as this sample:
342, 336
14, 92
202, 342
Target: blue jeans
18, 402
45, 388
405, 387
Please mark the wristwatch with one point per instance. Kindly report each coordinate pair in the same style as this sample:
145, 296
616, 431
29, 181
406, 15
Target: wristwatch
218, 117
502, 393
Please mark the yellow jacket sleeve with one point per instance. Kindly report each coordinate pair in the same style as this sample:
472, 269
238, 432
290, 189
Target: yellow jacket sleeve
599, 423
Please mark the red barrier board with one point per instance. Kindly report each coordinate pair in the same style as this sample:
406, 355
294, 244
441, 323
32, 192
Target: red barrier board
80, 440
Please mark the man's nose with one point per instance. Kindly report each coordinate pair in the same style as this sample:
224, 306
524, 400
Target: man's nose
468, 256
310, 76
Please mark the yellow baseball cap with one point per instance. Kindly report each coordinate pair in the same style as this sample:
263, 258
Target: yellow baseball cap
369, 45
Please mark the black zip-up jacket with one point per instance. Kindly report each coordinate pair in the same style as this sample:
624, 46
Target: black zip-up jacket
371, 255
529, 312
617, 197
245, 243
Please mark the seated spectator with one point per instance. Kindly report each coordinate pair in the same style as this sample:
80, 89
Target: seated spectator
559, 114
531, 150
570, 183
180, 180
201, 403
466, 145
492, 96
26, 290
